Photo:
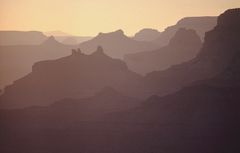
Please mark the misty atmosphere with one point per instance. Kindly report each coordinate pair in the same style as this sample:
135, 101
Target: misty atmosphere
174, 89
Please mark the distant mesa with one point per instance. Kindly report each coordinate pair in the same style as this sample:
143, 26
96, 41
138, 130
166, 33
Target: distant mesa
183, 47
147, 35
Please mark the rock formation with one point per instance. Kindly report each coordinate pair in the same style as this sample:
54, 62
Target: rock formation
183, 47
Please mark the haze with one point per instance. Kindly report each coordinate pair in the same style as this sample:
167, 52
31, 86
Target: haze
84, 17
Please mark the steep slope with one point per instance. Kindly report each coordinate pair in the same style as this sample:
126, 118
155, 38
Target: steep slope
77, 75
220, 46
21, 38
116, 44
16, 61
147, 35
182, 47
199, 24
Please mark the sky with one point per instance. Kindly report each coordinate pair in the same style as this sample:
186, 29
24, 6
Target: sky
89, 17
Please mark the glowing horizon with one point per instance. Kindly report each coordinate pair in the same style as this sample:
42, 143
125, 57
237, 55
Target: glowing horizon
88, 18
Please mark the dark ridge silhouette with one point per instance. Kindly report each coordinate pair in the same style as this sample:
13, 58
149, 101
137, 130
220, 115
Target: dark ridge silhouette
147, 35
21, 38
199, 24
221, 45
16, 61
77, 76
116, 44
183, 47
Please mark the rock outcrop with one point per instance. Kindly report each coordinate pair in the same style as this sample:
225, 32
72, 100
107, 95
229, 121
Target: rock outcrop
74, 76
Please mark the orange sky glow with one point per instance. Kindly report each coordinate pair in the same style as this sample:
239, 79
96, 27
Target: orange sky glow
89, 17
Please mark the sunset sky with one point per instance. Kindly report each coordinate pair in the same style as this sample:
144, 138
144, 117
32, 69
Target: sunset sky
89, 17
